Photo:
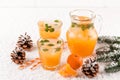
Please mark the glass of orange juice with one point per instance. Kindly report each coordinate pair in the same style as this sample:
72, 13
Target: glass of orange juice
50, 51
82, 35
49, 28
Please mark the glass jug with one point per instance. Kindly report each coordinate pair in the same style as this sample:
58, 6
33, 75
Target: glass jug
82, 35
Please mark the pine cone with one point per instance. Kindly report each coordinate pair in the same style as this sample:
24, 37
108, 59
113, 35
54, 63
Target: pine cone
25, 42
18, 56
90, 68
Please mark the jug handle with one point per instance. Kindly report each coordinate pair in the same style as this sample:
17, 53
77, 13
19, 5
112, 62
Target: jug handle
100, 20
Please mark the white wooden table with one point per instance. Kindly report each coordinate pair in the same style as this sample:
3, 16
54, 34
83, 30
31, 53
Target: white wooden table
16, 21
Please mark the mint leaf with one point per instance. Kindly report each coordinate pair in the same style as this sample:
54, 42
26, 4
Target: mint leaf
46, 40
83, 27
51, 30
90, 25
73, 25
58, 49
46, 29
56, 20
45, 49
50, 44
58, 42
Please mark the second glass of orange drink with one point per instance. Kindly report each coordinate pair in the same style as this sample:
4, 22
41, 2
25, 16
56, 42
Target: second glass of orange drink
82, 35
50, 51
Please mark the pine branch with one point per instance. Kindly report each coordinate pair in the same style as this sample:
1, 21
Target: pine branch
114, 46
115, 56
112, 67
109, 53
105, 57
110, 50
108, 57
103, 50
109, 39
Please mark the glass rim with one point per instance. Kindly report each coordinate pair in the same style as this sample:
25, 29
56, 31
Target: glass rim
49, 20
71, 13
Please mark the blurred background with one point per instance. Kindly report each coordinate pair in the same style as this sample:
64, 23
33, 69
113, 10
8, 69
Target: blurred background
19, 16
58, 3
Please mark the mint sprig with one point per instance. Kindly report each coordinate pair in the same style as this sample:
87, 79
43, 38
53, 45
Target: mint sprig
83, 26
49, 28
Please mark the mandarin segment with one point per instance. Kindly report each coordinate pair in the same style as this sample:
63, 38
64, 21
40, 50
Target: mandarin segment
67, 71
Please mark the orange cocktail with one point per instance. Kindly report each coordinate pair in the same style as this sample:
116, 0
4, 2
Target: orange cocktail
50, 29
50, 51
81, 36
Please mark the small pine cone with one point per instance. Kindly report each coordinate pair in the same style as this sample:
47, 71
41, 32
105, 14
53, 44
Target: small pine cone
90, 68
18, 56
25, 42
